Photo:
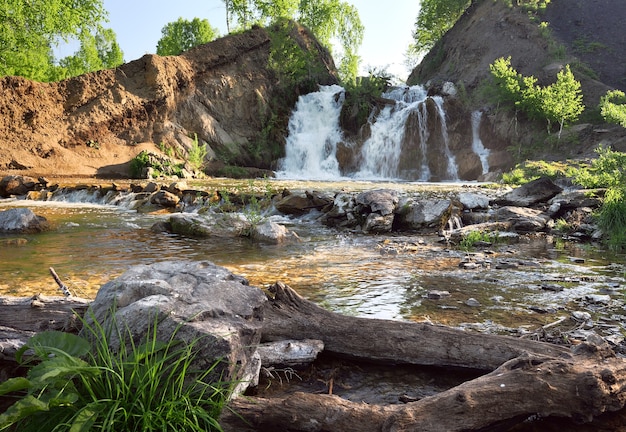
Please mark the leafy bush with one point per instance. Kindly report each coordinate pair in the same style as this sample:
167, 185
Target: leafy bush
608, 170
74, 385
475, 238
613, 107
532, 170
560, 102
196, 154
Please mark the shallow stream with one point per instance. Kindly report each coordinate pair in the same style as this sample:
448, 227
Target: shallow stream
511, 287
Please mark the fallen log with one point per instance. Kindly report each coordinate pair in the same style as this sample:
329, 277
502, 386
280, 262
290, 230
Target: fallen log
290, 316
21, 317
579, 388
530, 378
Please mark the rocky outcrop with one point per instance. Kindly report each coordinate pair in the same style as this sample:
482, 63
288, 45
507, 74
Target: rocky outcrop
224, 93
191, 302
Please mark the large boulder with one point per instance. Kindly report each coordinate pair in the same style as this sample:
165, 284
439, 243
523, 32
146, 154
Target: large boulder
534, 192
210, 224
377, 208
420, 214
17, 185
22, 221
194, 301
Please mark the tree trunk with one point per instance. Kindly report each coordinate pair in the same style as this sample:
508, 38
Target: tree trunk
530, 378
290, 316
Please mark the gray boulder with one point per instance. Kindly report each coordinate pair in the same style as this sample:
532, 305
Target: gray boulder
22, 221
523, 219
428, 213
272, 232
534, 192
210, 224
194, 301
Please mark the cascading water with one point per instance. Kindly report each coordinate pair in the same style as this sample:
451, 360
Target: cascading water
477, 144
313, 136
381, 152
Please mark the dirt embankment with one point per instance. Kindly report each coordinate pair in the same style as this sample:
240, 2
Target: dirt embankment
92, 125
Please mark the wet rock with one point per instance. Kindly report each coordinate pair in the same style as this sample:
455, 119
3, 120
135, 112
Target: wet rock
598, 298
552, 287
272, 232
429, 213
381, 201
301, 203
195, 301
437, 294
536, 191
22, 220
164, 198
472, 302
17, 185
473, 201
375, 223
210, 224
342, 213
570, 200
523, 219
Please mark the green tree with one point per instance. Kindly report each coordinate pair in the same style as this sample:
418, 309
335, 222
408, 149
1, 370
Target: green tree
181, 35
434, 19
30, 30
561, 102
97, 51
613, 107
329, 20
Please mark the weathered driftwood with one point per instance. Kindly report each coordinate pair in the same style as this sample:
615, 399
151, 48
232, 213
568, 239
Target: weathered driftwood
290, 352
581, 388
21, 317
531, 378
290, 316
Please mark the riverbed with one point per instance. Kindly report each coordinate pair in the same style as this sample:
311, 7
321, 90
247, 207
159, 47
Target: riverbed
510, 287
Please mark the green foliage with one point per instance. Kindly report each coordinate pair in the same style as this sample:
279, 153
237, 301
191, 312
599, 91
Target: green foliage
330, 21
613, 107
475, 238
434, 19
608, 170
196, 154
161, 166
81, 384
362, 94
30, 30
560, 102
532, 170
98, 51
182, 35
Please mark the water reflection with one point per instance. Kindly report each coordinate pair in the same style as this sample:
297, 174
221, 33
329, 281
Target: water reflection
374, 276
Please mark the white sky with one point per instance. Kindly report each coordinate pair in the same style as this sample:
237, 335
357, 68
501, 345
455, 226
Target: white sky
138, 23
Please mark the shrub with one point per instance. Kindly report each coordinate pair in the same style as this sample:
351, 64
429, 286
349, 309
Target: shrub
196, 154
613, 107
80, 384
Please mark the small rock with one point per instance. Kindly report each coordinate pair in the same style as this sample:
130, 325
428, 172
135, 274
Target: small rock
437, 294
598, 298
472, 302
552, 287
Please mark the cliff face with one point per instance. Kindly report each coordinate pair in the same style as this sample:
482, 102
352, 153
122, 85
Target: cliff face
224, 92
583, 33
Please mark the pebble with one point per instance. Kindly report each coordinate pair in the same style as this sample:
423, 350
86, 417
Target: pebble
437, 295
472, 302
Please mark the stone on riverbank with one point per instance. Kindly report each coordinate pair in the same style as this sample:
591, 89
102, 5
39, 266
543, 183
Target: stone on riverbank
195, 302
22, 221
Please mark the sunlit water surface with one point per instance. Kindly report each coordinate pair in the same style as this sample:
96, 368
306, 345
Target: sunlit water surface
375, 276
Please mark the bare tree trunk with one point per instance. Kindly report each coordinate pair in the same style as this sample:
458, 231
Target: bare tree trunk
290, 316
530, 378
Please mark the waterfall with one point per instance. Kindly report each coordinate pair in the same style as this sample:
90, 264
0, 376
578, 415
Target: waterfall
382, 150
452, 169
313, 136
390, 153
477, 144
